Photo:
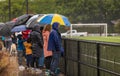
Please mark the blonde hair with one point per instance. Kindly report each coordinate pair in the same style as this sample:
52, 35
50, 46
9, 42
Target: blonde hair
47, 27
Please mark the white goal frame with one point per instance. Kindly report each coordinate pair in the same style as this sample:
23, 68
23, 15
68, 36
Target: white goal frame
92, 24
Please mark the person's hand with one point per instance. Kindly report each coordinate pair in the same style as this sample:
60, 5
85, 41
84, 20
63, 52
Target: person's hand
62, 51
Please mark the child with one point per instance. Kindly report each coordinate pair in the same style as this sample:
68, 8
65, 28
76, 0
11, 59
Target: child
13, 50
28, 51
20, 49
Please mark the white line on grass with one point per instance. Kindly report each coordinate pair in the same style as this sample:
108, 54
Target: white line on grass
102, 59
112, 37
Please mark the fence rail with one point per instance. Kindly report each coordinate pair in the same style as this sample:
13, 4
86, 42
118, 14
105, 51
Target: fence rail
90, 58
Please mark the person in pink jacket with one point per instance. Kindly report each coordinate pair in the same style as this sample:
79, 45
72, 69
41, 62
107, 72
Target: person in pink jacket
47, 53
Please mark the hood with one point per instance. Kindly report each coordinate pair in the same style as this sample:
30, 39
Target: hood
55, 25
36, 28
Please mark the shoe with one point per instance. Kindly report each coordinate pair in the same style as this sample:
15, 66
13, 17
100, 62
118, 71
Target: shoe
38, 70
41, 67
52, 74
57, 71
27, 68
32, 70
21, 68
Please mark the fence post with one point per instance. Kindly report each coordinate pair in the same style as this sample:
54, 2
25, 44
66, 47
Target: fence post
65, 57
78, 49
98, 59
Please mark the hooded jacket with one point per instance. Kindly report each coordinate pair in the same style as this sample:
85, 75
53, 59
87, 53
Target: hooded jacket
20, 46
37, 41
54, 42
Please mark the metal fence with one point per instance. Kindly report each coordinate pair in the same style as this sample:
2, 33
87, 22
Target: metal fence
90, 58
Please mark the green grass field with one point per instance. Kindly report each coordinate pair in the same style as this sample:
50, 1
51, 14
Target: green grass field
98, 38
109, 55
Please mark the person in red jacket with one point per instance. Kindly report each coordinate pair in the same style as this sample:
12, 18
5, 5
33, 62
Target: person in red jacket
26, 34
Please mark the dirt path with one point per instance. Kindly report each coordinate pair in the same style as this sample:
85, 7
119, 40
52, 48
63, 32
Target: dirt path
11, 69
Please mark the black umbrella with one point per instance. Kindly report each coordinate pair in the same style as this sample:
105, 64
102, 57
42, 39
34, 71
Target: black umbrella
21, 20
5, 30
1, 25
33, 20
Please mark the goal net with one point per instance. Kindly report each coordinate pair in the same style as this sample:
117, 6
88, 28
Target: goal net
92, 29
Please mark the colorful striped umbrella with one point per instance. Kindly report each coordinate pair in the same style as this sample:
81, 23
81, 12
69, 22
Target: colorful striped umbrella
51, 18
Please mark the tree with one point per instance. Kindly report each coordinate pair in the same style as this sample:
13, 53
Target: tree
117, 26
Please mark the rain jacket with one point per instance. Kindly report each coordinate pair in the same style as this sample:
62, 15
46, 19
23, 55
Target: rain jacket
37, 42
20, 46
45, 38
28, 49
55, 40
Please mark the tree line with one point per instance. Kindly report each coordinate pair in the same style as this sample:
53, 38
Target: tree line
78, 11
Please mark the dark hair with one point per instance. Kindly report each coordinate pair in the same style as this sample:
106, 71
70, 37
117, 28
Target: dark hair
28, 40
41, 28
19, 36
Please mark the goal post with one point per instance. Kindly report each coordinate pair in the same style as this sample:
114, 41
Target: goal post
91, 25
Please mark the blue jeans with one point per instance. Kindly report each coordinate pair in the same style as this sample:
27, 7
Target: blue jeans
55, 60
41, 59
29, 60
20, 55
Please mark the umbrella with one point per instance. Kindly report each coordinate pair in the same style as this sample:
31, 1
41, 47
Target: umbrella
19, 28
33, 20
51, 18
2, 25
21, 20
5, 30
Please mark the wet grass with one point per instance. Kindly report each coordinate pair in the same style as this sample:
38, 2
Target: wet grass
99, 38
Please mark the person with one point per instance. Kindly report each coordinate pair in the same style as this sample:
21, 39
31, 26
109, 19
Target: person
3, 40
41, 59
13, 50
20, 49
25, 34
28, 51
47, 54
37, 45
8, 42
14, 38
55, 45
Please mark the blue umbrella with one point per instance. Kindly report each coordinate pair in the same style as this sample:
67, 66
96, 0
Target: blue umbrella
51, 18
19, 28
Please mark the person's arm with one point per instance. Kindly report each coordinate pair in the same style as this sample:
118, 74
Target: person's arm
40, 39
57, 41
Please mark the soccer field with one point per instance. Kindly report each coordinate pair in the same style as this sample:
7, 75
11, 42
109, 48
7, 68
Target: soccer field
106, 39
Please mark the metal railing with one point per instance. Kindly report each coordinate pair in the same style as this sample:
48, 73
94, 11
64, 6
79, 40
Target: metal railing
90, 58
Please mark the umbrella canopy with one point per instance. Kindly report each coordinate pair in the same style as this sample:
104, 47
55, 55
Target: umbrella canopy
19, 28
51, 18
2, 25
5, 30
33, 20
21, 20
